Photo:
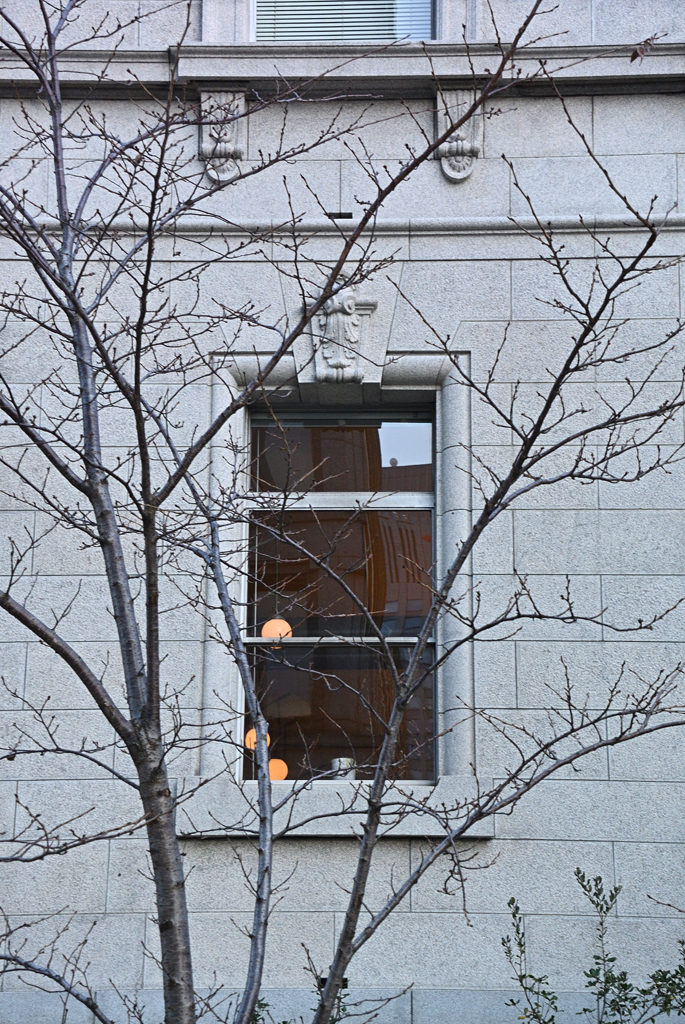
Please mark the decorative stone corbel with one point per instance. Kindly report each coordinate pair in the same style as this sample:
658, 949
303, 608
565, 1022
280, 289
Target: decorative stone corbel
458, 155
340, 334
221, 133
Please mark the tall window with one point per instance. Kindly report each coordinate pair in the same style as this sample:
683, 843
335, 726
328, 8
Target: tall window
345, 21
354, 494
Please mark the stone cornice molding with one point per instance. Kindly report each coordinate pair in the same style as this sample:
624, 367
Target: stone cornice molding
435, 48
406, 68
397, 69
420, 369
204, 227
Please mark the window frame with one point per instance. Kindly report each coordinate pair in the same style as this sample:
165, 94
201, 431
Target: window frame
347, 501
410, 376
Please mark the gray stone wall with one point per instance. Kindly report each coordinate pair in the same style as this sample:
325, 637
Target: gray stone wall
463, 261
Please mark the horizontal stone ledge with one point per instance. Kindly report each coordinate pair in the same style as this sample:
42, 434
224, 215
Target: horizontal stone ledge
206, 226
395, 68
403, 64
225, 809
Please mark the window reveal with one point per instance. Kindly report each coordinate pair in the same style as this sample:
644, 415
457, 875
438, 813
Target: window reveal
325, 685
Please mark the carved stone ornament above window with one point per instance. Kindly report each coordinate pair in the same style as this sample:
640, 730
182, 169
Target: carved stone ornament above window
459, 154
339, 336
221, 142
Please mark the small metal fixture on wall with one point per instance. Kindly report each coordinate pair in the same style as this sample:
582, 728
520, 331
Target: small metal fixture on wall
221, 133
459, 154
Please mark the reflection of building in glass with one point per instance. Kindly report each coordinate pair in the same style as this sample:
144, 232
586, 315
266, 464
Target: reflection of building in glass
330, 701
327, 704
341, 457
384, 558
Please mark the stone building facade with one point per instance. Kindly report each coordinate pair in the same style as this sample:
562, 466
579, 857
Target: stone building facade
463, 254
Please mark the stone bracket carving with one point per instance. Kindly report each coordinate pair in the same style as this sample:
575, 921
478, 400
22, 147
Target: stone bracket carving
222, 129
339, 337
459, 154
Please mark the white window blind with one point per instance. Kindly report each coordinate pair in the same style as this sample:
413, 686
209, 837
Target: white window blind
346, 21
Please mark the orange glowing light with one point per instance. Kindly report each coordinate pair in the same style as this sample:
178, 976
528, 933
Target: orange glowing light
277, 628
251, 739
278, 770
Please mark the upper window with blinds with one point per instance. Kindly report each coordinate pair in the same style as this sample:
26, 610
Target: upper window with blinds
343, 21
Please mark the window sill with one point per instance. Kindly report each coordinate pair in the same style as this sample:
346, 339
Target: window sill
222, 809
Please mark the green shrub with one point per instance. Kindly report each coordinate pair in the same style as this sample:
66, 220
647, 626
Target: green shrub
614, 997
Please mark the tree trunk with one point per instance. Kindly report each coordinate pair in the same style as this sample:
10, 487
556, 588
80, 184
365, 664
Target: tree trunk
172, 910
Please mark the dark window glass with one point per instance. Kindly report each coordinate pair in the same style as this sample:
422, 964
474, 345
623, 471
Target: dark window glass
384, 557
327, 705
390, 456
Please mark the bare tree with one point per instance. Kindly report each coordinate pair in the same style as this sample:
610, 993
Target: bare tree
129, 339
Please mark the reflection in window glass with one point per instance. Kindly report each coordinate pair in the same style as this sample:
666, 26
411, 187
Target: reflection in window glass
326, 696
384, 557
326, 707
388, 456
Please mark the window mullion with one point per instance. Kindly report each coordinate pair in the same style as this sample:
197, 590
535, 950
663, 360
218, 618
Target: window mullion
400, 500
